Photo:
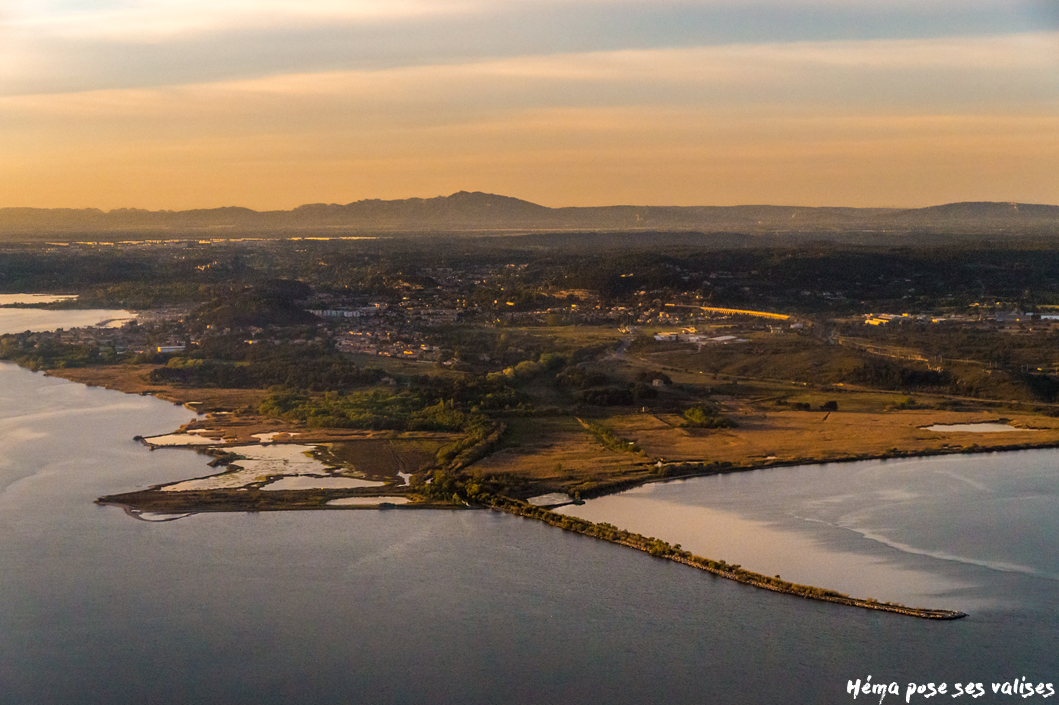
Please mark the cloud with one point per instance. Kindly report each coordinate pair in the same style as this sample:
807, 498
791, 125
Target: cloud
158, 20
57, 48
1007, 73
153, 20
886, 121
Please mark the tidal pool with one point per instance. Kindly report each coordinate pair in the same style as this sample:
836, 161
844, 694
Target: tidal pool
260, 462
308, 482
272, 608
973, 428
271, 436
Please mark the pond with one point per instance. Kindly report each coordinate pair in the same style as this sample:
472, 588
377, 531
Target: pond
973, 428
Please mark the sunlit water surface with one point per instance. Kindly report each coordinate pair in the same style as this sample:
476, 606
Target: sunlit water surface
964, 531
972, 428
34, 299
467, 607
20, 320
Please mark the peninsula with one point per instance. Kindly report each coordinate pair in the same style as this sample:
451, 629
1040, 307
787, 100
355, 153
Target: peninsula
519, 372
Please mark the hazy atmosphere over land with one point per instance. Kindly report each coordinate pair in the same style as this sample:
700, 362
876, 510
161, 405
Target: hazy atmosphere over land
274, 103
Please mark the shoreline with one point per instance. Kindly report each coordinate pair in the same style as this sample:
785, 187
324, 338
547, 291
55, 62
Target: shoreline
125, 503
252, 500
629, 484
661, 549
225, 497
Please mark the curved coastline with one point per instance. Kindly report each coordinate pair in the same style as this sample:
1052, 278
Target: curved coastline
220, 501
661, 549
708, 469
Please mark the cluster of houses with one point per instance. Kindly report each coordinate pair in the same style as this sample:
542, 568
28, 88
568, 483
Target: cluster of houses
120, 339
999, 317
388, 344
689, 335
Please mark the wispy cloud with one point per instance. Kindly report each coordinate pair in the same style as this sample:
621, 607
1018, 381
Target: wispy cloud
1014, 71
569, 102
861, 123
55, 47
157, 20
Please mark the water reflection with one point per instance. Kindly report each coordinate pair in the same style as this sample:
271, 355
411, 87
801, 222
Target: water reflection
33, 299
456, 607
973, 428
19, 320
927, 532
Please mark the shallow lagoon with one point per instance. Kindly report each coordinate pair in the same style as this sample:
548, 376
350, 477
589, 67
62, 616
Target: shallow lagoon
424, 606
19, 320
467, 607
302, 471
944, 531
35, 299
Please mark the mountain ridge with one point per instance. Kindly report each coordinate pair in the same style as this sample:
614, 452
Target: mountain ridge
466, 211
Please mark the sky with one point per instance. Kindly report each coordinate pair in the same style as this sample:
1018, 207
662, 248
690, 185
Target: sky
270, 104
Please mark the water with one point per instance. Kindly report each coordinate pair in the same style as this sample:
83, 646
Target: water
972, 428
405, 606
19, 320
962, 532
8, 299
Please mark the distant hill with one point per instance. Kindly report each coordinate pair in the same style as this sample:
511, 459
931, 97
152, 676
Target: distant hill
477, 212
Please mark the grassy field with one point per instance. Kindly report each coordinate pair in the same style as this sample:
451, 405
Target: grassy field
571, 336
396, 365
778, 422
133, 379
782, 436
231, 414
558, 453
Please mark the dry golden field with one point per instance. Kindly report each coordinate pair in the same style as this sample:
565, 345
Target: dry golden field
555, 452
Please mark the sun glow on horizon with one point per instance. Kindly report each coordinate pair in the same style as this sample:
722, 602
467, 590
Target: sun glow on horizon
90, 117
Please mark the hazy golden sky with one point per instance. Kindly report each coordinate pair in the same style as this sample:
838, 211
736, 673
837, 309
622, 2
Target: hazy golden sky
274, 103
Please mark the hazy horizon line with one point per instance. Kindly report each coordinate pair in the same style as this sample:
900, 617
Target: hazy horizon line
760, 204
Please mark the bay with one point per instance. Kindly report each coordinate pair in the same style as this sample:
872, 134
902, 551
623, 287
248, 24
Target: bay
20, 320
8, 299
409, 606
958, 532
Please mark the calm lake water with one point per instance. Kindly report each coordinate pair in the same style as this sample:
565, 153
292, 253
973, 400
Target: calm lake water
35, 299
466, 607
19, 320
963, 532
